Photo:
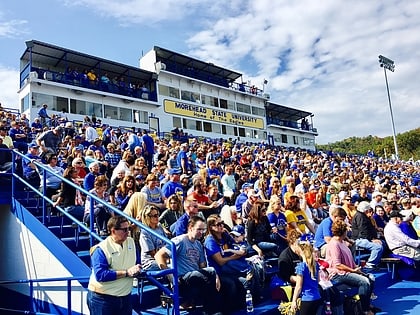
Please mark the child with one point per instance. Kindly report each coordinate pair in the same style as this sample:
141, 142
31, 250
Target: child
307, 274
239, 247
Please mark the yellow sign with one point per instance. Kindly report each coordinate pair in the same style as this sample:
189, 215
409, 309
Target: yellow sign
215, 115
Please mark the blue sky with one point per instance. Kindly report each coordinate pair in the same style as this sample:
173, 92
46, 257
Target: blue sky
317, 55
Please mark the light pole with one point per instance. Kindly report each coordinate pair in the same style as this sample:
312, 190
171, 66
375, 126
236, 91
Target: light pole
389, 64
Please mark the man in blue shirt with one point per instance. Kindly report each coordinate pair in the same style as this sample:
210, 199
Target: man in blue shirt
173, 186
191, 210
30, 170
148, 149
324, 233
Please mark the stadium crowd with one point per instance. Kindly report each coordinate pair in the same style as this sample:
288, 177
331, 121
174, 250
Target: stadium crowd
253, 197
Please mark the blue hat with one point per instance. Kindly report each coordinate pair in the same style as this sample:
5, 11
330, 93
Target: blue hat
174, 171
238, 230
33, 145
246, 185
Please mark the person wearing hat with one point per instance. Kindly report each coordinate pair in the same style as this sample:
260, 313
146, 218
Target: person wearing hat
376, 199
97, 145
173, 186
30, 170
398, 242
43, 115
182, 158
242, 197
365, 235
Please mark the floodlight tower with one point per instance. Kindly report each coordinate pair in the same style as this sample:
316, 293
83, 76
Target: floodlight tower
389, 64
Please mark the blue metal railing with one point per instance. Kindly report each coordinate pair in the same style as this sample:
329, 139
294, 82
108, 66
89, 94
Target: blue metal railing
93, 236
32, 290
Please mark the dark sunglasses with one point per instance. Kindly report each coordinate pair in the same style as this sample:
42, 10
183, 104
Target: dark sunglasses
125, 230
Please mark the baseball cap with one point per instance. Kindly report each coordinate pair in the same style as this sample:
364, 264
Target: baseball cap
33, 145
396, 214
246, 185
238, 230
174, 171
363, 206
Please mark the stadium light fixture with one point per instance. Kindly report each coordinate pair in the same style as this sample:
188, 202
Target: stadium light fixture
388, 64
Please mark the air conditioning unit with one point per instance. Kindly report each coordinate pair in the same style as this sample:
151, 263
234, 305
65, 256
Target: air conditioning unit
33, 75
159, 66
266, 96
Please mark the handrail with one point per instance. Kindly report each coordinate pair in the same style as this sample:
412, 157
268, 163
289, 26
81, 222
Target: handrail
55, 279
92, 234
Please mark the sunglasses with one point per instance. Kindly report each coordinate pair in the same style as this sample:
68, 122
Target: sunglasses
125, 230
219, 224
153, 215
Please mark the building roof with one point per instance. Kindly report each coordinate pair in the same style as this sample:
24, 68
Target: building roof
46, 54
285, 113
185, 62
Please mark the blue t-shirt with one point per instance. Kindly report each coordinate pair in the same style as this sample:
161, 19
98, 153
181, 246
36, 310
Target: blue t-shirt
310, 291
324, 229
278, 221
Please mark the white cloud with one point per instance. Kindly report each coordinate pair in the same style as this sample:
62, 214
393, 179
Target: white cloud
8, 87
319, 56
12, 28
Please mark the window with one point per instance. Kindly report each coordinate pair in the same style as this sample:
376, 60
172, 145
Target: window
192, 124
258, 111
190, 96
241, 132
176, 122
229, 130
210, 100
295, 140
284, 138
24, 103
243, 108
141, 116
168, 91
94, 109
125, 114
111, 112
56, 103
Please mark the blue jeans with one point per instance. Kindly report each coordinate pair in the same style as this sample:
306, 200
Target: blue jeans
200, 285
374, 248
357, 280
103, 304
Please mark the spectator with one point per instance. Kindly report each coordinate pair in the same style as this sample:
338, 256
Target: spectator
89, 179
259, 232
125, 189
296, 217
173, 186
148, 149
18, 137
69, 197
30, 170
197, 282
43, 115
182, 158
181, 225
101, 213
114, 264
50, 140
154, 194
365, 235
307, 278
324, 234
150, 243
173, 212
342, 268
399, 242
52, 179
